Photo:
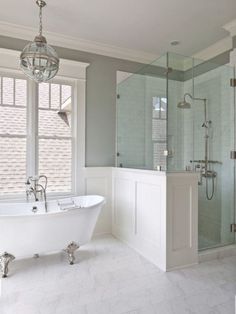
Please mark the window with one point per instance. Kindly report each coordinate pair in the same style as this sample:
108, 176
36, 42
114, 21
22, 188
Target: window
159, 106
13, 104
54, 135
41, 128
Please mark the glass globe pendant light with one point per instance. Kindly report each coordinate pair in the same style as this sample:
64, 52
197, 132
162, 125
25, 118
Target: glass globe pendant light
38, 60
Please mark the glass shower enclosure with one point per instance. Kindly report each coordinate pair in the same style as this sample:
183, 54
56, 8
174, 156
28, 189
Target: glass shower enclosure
178, 114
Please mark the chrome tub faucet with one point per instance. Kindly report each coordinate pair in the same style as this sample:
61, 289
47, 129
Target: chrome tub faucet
37, 188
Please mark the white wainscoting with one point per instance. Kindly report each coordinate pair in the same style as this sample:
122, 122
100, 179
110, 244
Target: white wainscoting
182, 220
156, 214
97, 180
139, 202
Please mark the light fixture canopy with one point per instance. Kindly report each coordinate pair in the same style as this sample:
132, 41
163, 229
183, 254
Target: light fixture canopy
39, 60
175, 42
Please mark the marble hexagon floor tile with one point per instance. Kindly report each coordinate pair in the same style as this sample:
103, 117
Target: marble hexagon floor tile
111, 278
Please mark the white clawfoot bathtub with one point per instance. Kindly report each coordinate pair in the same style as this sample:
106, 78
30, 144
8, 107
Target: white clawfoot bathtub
27, 229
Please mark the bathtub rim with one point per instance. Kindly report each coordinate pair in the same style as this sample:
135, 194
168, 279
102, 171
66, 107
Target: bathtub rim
41, 213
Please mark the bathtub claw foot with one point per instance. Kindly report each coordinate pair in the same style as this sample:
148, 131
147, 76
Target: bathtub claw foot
70, 250
5, 259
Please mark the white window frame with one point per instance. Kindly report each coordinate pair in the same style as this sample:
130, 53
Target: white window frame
72, 72
33, 127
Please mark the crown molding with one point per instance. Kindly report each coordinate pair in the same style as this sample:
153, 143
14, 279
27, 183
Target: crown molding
231, 28
55, 39
212, 51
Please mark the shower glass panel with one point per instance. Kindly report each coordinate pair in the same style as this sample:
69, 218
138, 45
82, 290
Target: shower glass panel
178, 114
200, 138
178, 151
216, 193
142, 117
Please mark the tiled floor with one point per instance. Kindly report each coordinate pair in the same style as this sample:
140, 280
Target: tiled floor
112, 278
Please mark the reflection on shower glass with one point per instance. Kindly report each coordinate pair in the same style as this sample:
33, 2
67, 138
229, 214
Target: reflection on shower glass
159, 106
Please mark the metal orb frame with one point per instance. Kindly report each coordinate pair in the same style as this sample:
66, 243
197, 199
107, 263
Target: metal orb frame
38, 60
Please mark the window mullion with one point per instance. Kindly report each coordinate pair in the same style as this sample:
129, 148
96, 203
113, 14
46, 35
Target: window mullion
1, 90
36, 129
32, 129
74, 127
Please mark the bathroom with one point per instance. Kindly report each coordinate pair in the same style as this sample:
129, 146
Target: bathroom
117, 164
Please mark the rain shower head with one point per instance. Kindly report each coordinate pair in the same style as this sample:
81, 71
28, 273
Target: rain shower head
184, 105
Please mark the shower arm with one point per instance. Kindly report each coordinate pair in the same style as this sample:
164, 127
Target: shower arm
199, 99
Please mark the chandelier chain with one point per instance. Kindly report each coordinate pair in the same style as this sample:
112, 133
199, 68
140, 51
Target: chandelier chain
40, 21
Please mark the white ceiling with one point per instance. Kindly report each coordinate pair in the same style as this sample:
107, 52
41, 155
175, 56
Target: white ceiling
144, 25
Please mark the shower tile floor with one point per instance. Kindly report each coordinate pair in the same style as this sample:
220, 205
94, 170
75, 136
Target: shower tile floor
111, 278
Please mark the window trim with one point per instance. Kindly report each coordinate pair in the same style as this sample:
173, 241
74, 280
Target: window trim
70, 71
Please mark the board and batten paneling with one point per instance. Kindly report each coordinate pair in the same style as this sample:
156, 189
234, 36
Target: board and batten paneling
182, 217
156, 214
139, 211
97, 180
